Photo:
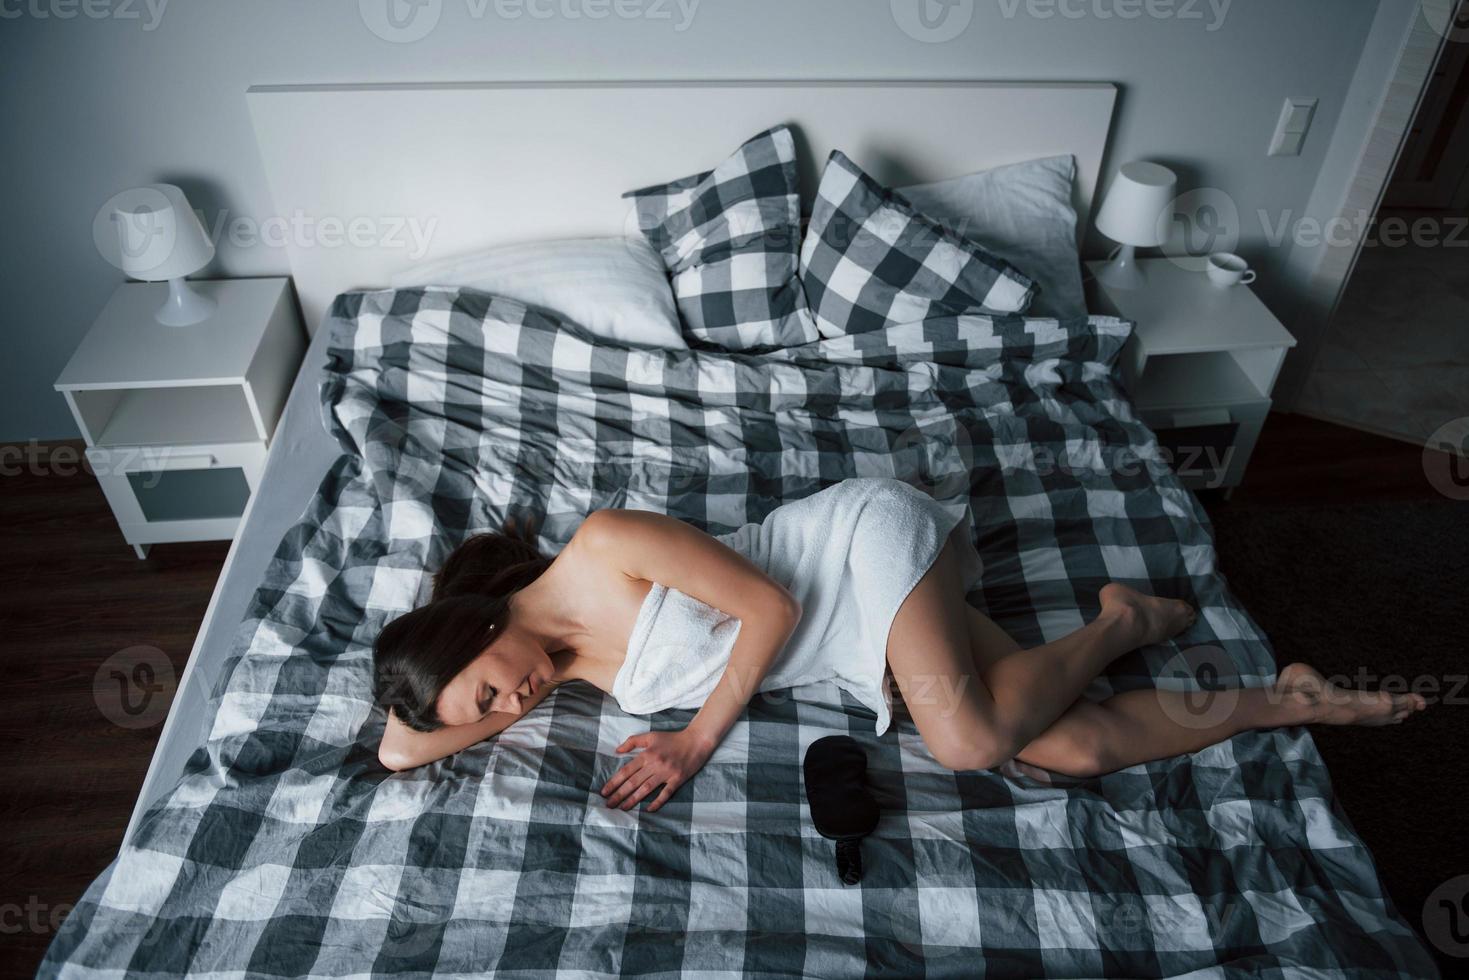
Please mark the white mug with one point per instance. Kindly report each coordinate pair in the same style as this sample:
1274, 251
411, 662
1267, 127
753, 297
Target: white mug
1228, 269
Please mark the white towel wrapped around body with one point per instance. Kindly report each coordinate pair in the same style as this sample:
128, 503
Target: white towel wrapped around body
850, 554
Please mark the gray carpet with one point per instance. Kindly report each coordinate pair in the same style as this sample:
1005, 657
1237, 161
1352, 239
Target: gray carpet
1382, 588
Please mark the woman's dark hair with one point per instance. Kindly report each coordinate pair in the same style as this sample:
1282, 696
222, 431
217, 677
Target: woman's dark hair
495, 564
419, 653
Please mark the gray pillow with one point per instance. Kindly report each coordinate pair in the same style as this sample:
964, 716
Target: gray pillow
1023, 214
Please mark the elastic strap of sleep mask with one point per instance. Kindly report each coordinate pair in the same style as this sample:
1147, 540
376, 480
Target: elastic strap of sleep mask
849, 861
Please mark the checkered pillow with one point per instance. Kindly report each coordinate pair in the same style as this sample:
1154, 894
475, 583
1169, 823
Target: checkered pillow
871, 261
729, 239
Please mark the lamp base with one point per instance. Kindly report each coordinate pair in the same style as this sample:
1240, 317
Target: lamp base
1122, 271
184, 306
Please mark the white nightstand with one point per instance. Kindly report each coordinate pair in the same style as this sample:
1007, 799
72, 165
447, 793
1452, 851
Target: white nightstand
178, 419
1200, 366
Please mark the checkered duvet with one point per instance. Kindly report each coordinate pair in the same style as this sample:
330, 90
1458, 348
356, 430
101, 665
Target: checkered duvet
286, 850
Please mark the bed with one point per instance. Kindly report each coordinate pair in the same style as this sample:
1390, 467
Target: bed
270, 842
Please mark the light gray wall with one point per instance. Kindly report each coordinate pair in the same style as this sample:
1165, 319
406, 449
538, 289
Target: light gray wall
94, 104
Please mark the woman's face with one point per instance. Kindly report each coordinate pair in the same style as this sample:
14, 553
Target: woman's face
504, 674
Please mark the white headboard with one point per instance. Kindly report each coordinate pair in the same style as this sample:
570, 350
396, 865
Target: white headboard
376, 178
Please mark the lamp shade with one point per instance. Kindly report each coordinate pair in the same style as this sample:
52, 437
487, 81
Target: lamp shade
159, 234
1133, 208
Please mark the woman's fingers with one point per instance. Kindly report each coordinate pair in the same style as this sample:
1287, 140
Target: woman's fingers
633, 742
669, 789
631, 785
634, 791
652, 783
643, 774
623, 775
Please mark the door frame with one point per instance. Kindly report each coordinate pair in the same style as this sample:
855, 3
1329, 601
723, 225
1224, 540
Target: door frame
1448, 189
1328, 268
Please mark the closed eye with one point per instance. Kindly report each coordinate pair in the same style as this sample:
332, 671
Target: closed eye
486, 697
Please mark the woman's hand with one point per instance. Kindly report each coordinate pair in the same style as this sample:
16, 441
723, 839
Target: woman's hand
668, 759
658, 548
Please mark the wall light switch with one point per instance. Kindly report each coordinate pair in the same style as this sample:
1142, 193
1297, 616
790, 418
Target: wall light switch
1291, 129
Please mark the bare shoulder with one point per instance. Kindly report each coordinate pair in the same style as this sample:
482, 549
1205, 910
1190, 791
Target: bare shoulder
613, 530
599, 526
599, 549
639, 544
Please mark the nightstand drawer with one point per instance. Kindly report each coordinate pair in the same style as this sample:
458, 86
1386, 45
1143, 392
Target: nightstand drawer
178, 493
1208, 449
159, 459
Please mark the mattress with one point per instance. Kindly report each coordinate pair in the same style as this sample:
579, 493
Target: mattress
301, 452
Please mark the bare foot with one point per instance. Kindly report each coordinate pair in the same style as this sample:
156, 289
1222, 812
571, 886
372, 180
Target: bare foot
1150, 619
1332, 704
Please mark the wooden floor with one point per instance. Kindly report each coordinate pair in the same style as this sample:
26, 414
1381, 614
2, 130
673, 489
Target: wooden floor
72, 595
1300, 460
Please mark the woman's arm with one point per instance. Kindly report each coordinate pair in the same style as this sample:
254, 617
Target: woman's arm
657, 548
403, 748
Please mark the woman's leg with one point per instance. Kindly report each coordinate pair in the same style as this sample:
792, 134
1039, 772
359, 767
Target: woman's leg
1095, 738
976, 720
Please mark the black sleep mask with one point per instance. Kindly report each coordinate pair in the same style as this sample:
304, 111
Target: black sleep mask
841, 807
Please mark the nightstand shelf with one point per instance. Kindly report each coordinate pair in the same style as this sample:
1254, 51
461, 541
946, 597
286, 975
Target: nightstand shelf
168, 416
1199, 366
1190, 381
178, 420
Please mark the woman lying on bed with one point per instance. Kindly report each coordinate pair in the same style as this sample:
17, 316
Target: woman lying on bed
864, 577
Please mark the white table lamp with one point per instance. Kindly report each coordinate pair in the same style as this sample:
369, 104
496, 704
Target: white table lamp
162, 240
1133, 214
